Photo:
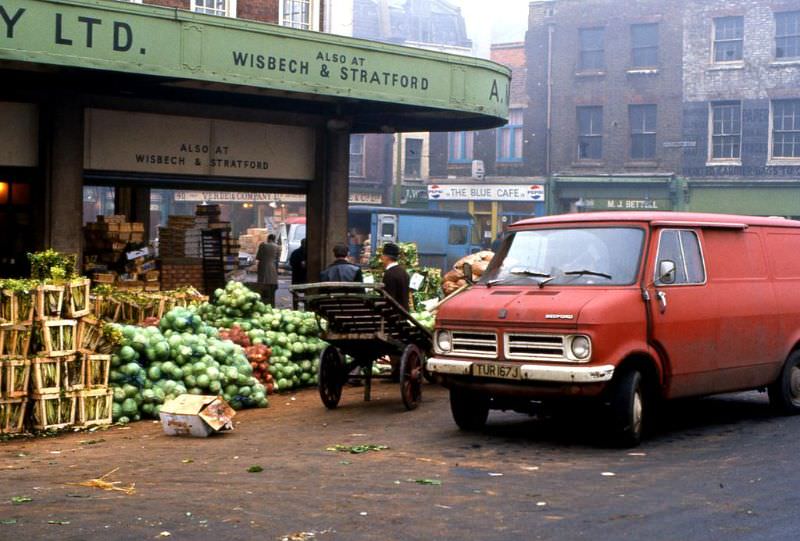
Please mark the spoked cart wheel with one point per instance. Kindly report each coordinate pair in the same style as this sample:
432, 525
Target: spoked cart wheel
332, 375
411, 368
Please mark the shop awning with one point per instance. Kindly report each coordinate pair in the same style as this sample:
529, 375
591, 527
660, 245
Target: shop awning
369, 86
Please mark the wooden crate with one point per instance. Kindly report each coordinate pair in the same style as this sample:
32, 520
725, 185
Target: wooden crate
49, 302
12, 415
107, 308
94, 408
14, 378
90, 333
73, 372
15, 340
54, 411
17, 307
97, 367
57, 337
104, 277
46, 375
78, 301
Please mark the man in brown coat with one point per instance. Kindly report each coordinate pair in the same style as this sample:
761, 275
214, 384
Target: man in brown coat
267, 257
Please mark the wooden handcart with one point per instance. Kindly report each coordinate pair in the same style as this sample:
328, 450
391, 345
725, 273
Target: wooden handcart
362, 321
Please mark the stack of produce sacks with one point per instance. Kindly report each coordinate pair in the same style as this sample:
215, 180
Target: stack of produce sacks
455, 279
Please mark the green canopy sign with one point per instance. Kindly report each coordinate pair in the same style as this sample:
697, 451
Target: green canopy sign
140, 39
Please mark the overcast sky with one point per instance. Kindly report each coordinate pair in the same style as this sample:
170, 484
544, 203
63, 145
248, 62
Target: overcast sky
494, 21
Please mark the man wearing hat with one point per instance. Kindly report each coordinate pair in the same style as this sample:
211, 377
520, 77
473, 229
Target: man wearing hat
395, 277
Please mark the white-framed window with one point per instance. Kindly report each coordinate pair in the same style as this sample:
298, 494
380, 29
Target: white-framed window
642, 120
302, 14
357, 143
459, 146
787, 35
785, 132
728, 39
644, 45
592, 48
725, 120
509, 138
412, 163
221, 8
590, 133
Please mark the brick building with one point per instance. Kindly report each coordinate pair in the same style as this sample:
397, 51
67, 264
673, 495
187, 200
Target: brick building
741, 115
605, 102
490, 173
303, 14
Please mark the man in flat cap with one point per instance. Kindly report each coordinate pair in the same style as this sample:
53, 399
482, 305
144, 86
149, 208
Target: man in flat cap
395, 277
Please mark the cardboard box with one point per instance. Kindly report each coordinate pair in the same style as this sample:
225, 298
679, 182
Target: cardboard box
196, 415
137, 253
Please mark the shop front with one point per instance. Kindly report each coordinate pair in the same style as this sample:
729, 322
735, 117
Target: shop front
613, 193
133, 110
494, 206
748, 197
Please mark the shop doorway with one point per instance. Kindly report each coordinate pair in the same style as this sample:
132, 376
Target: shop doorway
18, 219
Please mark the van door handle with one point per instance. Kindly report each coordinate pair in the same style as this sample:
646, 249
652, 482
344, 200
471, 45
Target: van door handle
662, 301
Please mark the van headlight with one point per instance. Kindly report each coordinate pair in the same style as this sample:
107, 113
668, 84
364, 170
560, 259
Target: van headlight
580, 347
444, 341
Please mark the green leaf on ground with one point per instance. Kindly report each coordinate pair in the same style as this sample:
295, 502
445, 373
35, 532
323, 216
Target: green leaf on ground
357, 449
19, 500
428, 482
7, 521
255, 469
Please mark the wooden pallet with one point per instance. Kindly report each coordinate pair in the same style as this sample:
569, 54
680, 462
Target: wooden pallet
15, 340
49, 302
54, 411
12, 415
94, 408
14, 378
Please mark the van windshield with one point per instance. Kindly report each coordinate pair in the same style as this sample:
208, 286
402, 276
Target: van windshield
575, 256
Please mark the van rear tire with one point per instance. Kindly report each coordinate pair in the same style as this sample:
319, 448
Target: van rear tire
784, 393
627, 402
470, 410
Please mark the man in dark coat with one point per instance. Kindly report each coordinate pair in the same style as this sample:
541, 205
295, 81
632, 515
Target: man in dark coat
341, 270
297, 262
395, 277
267, 257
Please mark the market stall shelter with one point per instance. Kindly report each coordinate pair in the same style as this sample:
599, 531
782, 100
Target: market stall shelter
139, 97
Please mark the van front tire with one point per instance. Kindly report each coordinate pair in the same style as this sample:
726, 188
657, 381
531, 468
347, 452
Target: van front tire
784, 393
470, 410
627, 401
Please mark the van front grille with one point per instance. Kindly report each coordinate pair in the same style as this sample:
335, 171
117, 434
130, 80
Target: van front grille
474, 344
535, 347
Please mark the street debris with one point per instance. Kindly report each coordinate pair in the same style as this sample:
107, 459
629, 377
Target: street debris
164, 534
59, 522
608, 474
187, 461
91, 442
7, 521
101, 483
255, 469
303, 536
357, 449
19, 500
428, 482
492, 474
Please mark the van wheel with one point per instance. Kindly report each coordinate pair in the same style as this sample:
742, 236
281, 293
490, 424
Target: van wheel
470, 410
627, 409
784, 393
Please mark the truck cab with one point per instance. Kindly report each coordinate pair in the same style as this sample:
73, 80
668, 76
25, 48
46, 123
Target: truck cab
625, 309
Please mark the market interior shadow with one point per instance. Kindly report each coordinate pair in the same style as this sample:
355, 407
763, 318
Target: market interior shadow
585, 425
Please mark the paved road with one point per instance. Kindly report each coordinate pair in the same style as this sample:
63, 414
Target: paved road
719, 469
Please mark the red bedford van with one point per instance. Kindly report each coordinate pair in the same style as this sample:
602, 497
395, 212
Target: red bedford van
626, 308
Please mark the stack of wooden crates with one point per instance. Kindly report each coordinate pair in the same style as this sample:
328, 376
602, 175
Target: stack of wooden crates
51, 377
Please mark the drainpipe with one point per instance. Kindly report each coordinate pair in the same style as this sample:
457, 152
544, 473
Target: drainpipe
548, 131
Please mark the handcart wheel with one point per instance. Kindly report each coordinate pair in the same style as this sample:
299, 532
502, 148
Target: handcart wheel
331, 376
411, 365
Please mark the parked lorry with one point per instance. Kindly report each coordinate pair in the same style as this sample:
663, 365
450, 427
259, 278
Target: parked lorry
626, 309
442, 237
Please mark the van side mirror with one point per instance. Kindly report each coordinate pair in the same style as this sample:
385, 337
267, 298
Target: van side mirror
666, 272
467, 270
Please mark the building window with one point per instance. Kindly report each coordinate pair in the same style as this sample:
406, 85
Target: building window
643, 131
591, 53
459, 146
357, 155
644, 45
786, 129
299, 14
412, 167
787, 34
728, 39
590, 133
222, 8
726, 130
509, 138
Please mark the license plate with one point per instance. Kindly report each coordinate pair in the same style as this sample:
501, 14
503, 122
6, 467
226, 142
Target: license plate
504, 371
